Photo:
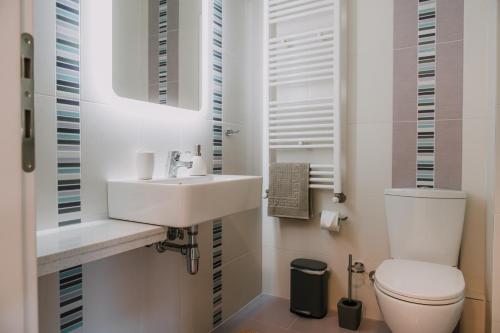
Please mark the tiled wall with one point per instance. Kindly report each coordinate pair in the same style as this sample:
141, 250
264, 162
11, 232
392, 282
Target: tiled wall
368, 139
217, 139
163, 51
373, 155
440, 134
68, 153
428, 76
143, 291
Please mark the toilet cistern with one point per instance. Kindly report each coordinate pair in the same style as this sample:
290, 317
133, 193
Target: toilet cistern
420, 289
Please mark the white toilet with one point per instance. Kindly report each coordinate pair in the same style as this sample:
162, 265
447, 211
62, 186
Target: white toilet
420, 289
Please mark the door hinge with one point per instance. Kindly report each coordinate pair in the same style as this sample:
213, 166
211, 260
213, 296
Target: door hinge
27, 102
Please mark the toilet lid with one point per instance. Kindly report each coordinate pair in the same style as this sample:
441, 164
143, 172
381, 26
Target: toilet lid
420, 282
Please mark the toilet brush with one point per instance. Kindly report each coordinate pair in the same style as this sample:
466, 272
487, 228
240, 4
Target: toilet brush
349, 310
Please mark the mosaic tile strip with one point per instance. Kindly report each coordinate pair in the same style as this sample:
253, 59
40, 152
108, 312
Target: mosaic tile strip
217, 158
68, 110
162, 51
68, 152
217, 61
71, 300
217, 272
426, 93
217, 149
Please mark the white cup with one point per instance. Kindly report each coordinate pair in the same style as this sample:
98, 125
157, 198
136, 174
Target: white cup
145, 164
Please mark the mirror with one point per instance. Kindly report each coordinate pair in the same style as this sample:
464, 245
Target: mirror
157, 51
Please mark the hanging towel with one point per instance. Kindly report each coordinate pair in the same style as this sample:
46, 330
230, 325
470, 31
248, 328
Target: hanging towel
289, 190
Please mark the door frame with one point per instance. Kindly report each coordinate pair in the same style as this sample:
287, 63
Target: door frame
18, 278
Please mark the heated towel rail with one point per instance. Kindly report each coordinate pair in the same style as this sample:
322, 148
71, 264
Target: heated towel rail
304, 86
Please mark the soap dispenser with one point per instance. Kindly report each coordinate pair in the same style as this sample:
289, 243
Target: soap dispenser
199, 167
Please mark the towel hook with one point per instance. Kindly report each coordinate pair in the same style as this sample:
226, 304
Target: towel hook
339, 198
231, 132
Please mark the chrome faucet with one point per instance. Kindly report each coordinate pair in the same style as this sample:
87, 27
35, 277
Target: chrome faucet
174, 163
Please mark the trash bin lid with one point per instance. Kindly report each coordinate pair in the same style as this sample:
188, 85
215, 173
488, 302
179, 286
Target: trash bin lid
309, 264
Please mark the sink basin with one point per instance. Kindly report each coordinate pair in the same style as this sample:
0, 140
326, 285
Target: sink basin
183, 202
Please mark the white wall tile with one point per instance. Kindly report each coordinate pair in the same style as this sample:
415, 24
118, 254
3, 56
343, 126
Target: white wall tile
369, 172
276, 270
476, 66
48, 303
241, 235
480, 64
200, 132
242, 61
114, 293
254, 64
110, 138
95, 53
160, 134
46, 162
234, 150
370, 61
196, 290
234, 17
237, 292
44, 30
162, 297
474, 182
234, 86
242, 151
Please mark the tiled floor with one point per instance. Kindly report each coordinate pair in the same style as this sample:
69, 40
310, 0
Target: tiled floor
269, 314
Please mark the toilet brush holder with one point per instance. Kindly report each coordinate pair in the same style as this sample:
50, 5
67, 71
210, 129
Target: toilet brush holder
349, 312
348, 309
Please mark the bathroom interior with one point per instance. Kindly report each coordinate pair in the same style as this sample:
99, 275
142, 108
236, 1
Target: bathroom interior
250, 166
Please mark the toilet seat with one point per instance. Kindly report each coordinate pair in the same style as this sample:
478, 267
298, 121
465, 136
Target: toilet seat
420, 282
417, 300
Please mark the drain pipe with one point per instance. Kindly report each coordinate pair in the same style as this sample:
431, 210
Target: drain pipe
193, 255
190, 249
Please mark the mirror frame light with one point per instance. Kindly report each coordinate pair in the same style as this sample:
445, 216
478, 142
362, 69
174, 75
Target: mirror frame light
97, 58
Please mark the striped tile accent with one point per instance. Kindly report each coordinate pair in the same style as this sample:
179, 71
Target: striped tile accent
426, 93
217, 157
217, 272
68, 110
162, 51
70, 300
68, 151
217, 149
217, 61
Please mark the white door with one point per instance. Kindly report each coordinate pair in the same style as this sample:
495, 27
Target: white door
18, 293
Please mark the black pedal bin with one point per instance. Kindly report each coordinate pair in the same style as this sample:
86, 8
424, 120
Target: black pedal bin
309, 288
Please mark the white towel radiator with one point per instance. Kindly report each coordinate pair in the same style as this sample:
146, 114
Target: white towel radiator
304, 87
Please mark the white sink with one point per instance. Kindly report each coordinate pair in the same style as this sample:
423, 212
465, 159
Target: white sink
183, 202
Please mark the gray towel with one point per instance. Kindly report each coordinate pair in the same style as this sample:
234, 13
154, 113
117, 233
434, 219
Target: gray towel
289, 190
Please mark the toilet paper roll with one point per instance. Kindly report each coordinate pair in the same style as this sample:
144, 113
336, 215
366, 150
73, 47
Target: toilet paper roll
330, 220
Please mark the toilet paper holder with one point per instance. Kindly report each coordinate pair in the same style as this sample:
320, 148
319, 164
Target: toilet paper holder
331, 220
342, 218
